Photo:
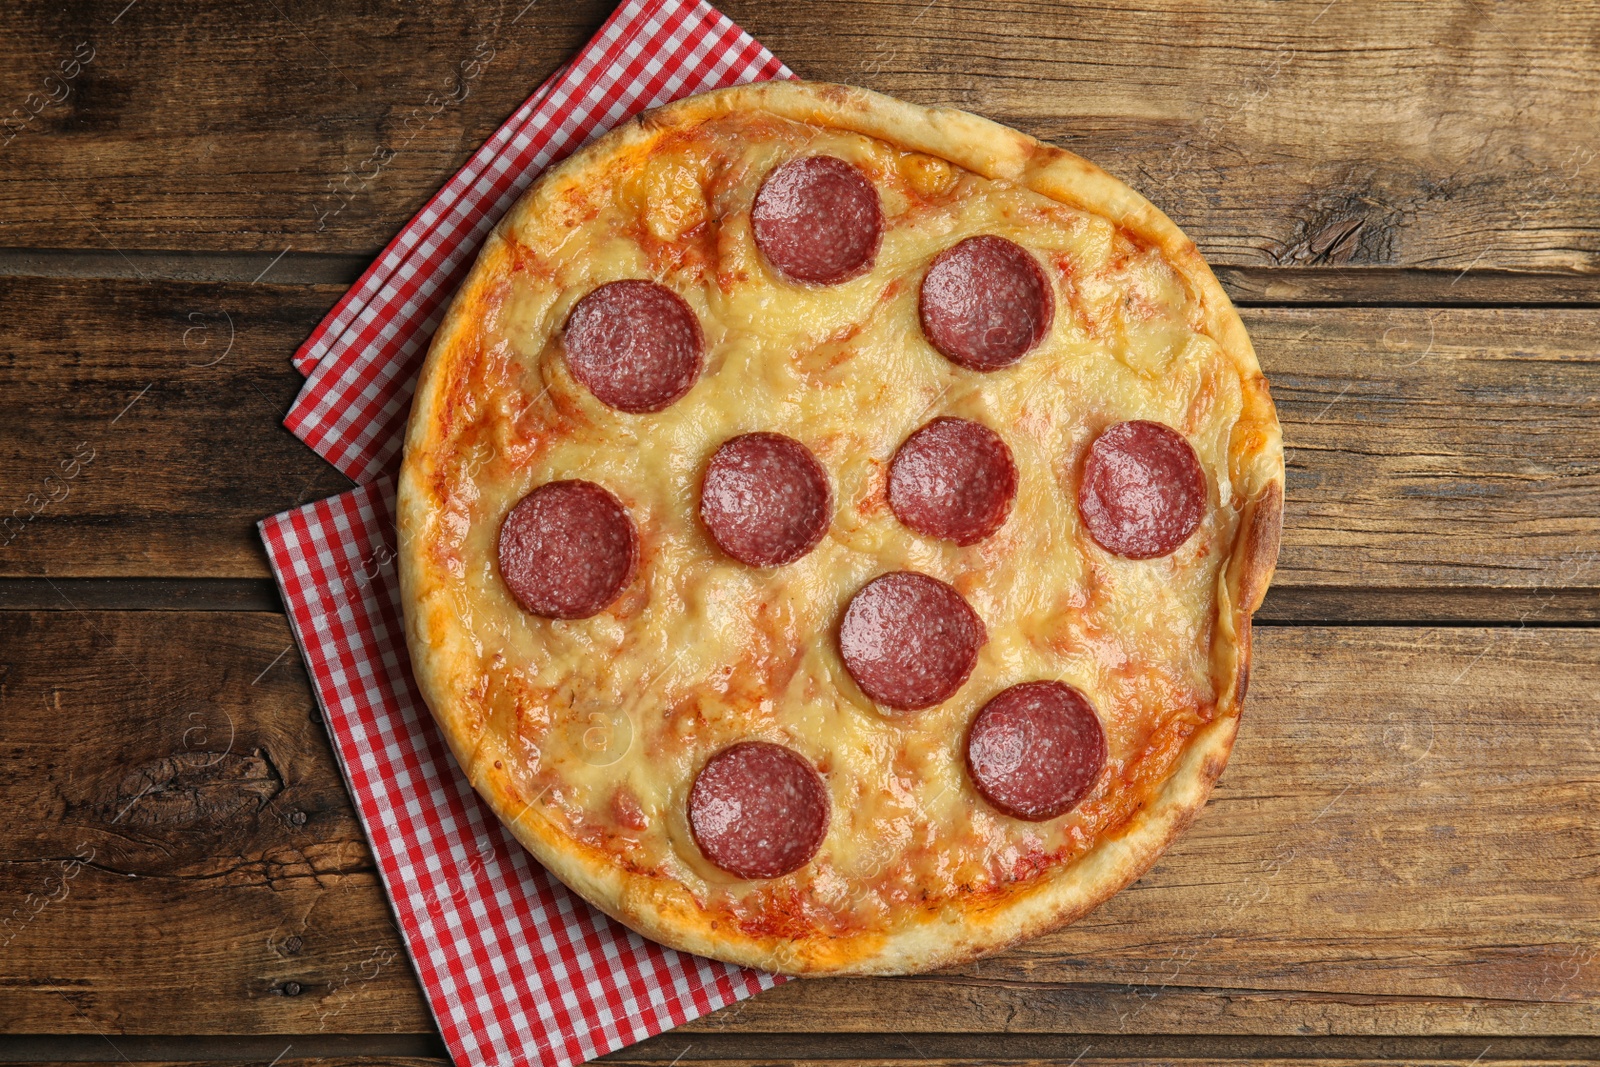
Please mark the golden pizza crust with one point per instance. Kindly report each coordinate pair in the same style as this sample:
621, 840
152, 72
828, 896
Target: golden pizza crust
443, 654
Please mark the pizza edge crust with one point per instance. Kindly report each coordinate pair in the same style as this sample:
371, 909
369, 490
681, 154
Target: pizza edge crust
442, 655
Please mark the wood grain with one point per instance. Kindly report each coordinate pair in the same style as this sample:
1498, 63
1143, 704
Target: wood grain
1063, 1048
1301, 134
284, 125
154, 594
1405, 199
1426, 446
1437, 447
1407, 842
1275, 134
1437, 606
1403, 287
154, 421
839, 1049
179, 853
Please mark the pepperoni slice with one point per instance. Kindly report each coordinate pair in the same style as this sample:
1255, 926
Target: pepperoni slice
817, 220
758, 810
985, 303
635, 345
909, 640
1036, 750
1143, 490
765, 499
567, 549
954, 480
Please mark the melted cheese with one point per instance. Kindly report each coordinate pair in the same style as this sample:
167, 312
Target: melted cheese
605, 721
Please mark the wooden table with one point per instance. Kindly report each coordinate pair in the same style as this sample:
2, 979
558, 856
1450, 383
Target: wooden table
1403, 861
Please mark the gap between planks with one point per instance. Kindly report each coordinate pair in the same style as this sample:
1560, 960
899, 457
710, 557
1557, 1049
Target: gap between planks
1247, 286
686, 1048
1285, 605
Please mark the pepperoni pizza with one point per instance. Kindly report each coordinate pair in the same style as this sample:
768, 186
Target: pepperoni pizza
830, 529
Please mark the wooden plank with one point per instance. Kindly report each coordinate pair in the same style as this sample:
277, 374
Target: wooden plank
153, 438
179, 853
1065, 1048
1405, 287
1101, 1061
1406, 843
1096, 1061
308, 1061
1427, 447
1270, 132
1437, 447
139, 594
260, 1049
282, 268
1288, 605
288, 125
836, 1049
1303, 133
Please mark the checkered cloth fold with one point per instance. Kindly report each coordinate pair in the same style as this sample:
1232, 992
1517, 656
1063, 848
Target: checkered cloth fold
516, 968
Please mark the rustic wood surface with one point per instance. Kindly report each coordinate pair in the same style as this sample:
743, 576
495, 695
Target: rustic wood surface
1277, 134
1370, 864
1402, 863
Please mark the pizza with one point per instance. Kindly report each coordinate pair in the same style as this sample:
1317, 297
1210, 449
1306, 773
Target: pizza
829, 529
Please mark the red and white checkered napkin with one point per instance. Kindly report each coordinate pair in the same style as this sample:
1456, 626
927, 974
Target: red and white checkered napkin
362, 361
515, 967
